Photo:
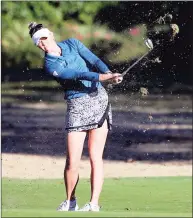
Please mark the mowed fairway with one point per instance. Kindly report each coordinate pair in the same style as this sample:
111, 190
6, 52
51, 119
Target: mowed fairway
132, 197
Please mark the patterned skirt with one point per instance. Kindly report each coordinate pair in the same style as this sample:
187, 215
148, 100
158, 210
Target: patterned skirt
88, 112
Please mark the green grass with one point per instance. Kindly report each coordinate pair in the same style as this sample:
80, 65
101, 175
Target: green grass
132, 197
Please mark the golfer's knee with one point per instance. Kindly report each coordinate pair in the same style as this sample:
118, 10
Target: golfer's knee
71, 165
95, 161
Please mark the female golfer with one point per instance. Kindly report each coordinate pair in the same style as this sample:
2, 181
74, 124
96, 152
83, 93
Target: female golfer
80, 73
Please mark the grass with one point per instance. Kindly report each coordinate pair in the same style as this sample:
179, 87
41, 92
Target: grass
132, 197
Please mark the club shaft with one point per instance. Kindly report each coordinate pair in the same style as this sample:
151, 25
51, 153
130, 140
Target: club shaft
136, 62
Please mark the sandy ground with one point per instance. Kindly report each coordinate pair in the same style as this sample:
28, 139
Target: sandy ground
36, 166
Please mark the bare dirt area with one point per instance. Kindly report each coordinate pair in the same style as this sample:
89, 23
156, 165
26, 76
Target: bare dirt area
36, 167
150, 137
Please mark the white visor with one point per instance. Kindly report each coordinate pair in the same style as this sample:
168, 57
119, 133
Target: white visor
39, 34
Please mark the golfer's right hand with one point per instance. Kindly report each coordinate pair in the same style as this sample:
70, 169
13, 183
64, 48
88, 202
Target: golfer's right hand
112, 78
117, 78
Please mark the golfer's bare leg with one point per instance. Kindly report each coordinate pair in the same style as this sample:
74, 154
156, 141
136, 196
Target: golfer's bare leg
75, 142
96, 143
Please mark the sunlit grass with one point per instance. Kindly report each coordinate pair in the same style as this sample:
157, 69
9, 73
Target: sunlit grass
136, 197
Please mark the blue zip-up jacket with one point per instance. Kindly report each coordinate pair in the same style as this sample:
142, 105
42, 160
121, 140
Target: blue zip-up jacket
73, 69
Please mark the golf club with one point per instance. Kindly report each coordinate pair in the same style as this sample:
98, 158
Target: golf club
149, 44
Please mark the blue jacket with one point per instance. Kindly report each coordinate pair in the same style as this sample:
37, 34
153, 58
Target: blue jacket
74, 68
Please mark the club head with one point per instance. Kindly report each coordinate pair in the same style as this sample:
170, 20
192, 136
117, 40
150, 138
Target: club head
149, 43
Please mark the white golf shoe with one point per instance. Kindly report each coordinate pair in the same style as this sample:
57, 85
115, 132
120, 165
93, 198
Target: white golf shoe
68, 206
90, 207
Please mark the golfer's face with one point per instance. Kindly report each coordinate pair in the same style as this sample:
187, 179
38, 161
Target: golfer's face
46, 42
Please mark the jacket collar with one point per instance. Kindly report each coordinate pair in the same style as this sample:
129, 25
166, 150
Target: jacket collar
51, 57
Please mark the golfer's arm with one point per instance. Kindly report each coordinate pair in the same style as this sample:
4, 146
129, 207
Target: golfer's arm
60, 72
90, 57
71, 74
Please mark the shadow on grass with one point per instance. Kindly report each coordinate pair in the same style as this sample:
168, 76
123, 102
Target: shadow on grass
41, 131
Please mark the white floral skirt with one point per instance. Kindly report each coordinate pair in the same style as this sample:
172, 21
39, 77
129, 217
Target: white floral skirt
88, 112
